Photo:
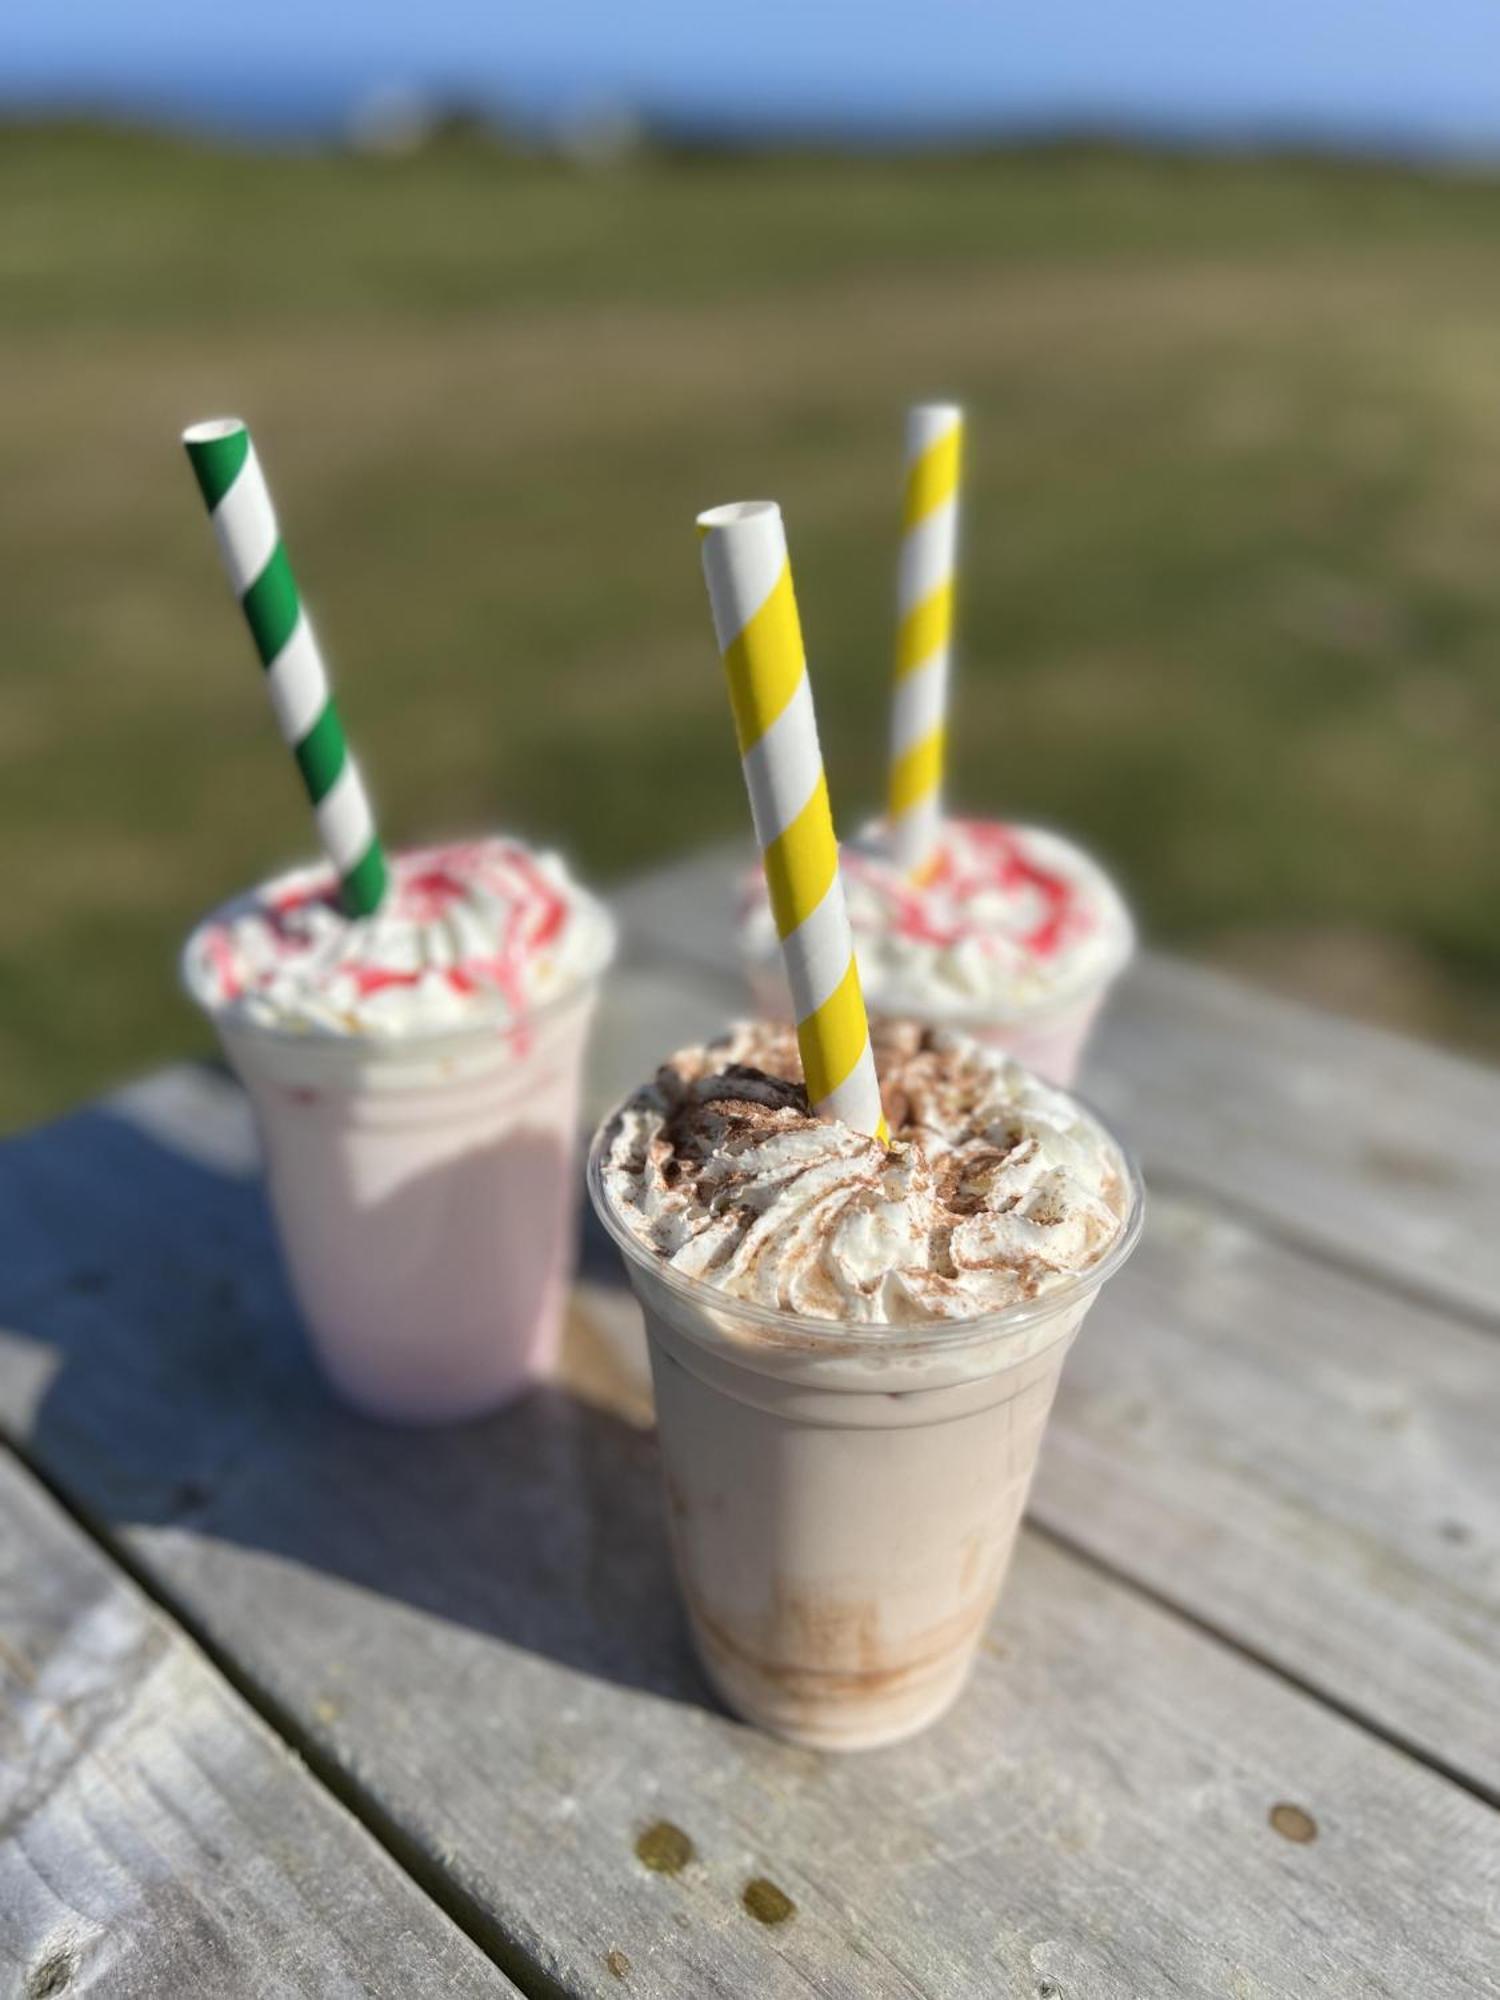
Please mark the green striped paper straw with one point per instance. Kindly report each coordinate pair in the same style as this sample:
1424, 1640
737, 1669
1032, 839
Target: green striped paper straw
244, 521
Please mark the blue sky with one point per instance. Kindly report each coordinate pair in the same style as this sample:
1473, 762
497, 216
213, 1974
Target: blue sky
1421, 74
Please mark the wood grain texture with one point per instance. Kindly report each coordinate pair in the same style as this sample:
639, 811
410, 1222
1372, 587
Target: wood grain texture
1301, 1460
1359, 1144
155, 1838
478, 1627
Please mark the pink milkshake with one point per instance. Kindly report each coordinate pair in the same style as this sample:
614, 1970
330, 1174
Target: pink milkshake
415, 1079
1014, 936
854, 1349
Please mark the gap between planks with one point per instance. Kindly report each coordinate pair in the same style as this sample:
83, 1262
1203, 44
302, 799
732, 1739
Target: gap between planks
429, 1872
465, 1911
462, 1910
1150, 1593
1273, 1229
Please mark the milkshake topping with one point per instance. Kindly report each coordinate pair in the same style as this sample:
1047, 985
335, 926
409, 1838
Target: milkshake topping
995, 1189
469, 932
1008, 918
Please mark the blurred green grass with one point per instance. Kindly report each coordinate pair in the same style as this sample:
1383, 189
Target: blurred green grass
1231, 605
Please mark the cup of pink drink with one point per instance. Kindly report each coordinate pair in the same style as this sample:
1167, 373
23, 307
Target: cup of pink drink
854, 1348
415, 1080
1013, 935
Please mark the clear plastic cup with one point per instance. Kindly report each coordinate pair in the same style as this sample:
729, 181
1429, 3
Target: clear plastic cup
843, 1499
424, 1193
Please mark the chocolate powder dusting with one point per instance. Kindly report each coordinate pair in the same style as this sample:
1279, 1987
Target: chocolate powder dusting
927, 1085
994, 1186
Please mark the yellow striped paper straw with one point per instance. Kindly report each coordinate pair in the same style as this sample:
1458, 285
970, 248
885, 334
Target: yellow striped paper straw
924, 636
760, 637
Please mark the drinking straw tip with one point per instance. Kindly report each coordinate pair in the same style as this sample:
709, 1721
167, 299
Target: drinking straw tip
217, 451
736, 511
926, 421
213, 430
924, 634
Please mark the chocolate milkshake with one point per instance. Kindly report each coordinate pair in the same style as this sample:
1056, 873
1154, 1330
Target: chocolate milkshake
1013, 935
854, 1351
415, 1079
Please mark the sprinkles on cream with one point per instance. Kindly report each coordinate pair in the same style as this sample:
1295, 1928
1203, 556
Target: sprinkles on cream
470, 933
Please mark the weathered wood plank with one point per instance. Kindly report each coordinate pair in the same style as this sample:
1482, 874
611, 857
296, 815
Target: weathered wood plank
155, 1838
1303, 1461
1360, 1144
686, 909
478, 1626
1109, 1780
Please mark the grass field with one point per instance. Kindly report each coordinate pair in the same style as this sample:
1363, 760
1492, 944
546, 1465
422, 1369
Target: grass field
1232, 599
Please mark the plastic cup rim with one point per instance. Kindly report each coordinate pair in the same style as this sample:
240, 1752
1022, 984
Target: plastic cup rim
735, 513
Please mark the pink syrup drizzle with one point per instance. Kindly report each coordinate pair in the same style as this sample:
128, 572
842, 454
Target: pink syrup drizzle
226, 971
536, 918
1002, 864
372, 979
536, 913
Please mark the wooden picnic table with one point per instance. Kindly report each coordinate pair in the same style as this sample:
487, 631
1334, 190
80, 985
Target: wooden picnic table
291, 1703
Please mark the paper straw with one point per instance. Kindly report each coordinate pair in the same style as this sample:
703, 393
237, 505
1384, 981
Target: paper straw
924, 636
755, 617
244, 521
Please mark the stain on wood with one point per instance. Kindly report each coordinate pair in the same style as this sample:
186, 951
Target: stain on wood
766, 1903
1292, 1823
664, 1848
52, 1974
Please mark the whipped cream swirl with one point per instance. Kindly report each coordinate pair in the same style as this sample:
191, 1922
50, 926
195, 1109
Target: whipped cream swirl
473, 932
1011, 919
995, 1189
